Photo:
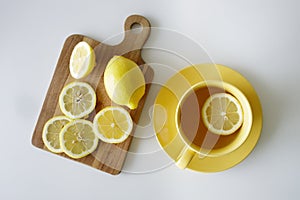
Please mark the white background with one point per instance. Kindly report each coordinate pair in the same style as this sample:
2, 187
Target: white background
260, 39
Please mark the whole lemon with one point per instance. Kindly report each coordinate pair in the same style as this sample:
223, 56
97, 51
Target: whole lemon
124, 82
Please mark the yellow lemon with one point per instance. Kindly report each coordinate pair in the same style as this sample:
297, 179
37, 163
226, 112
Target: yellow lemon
82, 60
113, 124
77, 138
222, 114
51, 131
124, 82
77, 100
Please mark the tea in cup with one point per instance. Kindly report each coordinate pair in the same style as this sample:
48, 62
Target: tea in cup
198, 138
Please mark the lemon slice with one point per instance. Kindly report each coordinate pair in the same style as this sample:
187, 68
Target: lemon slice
77, 138
77, 99
82, 60
222, 114
51, 132
113, 124
124, 82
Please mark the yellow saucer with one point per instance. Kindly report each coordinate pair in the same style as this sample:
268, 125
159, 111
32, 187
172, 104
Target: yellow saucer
165, 107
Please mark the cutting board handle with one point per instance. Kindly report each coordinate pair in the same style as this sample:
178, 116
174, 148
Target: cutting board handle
135, 38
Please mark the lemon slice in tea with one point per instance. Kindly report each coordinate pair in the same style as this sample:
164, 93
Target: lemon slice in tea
222, 114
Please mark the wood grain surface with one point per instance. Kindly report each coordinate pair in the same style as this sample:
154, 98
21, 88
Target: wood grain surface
107, 157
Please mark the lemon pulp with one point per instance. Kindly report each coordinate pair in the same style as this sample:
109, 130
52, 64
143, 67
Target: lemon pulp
82, 60
222, 114
113, 124
77, 99
77, 138
51, 131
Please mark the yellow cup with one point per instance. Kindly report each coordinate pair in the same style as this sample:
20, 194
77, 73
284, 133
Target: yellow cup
198, 141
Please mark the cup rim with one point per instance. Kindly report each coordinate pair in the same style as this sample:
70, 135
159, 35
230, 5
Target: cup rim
243, 131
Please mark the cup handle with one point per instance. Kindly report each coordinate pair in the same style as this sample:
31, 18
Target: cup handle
184, 157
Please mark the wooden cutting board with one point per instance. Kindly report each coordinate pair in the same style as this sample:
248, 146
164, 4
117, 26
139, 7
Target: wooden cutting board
107, 157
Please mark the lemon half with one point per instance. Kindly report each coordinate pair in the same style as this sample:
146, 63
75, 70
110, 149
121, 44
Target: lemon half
222, 114
124, 82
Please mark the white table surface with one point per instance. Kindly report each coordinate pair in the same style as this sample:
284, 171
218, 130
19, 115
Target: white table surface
260, 39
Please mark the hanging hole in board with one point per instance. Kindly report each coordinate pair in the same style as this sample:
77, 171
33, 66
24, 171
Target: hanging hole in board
136, 28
